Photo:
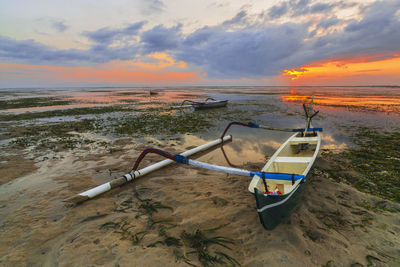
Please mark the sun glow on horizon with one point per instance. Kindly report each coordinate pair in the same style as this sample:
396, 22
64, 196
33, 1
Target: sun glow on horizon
294, 74
360, 69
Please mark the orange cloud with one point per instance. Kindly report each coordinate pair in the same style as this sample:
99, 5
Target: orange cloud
362, 70
154, 72
124, 75
157, 61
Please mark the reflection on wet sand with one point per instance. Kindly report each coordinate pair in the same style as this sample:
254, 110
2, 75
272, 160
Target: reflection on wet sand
378, 103
121, 97
82, 99
240, 151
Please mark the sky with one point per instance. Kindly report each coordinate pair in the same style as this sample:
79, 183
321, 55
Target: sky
191, 42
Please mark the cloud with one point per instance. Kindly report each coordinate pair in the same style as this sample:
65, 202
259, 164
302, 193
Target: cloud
265, 50
305, 7
377, 32
247, 52
160, 39
151, 7
329, 22
238, 19
29, 51
107, 35
227, 51
59, 26
278, 10
24, 75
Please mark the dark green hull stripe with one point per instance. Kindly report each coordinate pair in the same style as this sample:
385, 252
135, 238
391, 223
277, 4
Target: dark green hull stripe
279, 207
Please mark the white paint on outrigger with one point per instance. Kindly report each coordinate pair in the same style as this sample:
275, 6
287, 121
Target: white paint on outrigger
217, 168
91, 193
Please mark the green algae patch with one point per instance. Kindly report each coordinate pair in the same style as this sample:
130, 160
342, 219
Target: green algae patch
66, 112
373, 167
169, 123
52, 136
31, 102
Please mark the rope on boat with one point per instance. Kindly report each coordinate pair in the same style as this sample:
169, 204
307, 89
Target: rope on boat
250, 124
264, 181
255, 125
165, 154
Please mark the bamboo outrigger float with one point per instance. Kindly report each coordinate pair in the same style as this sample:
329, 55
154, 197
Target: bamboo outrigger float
134, 174
277, 187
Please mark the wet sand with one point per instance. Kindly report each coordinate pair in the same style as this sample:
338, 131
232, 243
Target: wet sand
143, 223
330, 226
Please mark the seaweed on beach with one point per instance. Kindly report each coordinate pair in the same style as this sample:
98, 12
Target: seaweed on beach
155, 123
167, 239
51, 136
377, 160
144, 207
199, 242
66, 112
331, 219
201, 245
372, 167
124, 228
29, 102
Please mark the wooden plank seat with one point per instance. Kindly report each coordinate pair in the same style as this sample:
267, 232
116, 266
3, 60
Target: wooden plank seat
304, 140
293, 159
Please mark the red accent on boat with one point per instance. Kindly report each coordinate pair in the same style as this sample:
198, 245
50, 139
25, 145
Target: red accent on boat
152, 150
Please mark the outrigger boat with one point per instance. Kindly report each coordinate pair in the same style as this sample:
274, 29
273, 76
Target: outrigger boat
153, 92
277, 187
277, 196
208, 103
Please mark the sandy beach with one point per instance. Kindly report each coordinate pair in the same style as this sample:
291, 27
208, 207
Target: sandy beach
155, 220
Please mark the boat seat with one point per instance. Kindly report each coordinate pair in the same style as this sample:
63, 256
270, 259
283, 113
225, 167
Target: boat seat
304, 140
275, 181
293, 159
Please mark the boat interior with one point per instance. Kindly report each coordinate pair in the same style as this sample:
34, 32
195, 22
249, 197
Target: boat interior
294, 158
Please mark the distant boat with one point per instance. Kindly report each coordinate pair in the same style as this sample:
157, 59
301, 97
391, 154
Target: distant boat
153, 92
208, 103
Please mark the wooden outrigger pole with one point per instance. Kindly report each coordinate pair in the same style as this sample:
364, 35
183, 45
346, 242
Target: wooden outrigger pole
134, 174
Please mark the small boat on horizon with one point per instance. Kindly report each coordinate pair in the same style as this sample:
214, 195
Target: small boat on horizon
153, 92
206, 104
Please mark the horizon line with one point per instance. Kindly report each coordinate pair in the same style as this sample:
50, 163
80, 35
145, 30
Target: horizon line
195, 86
